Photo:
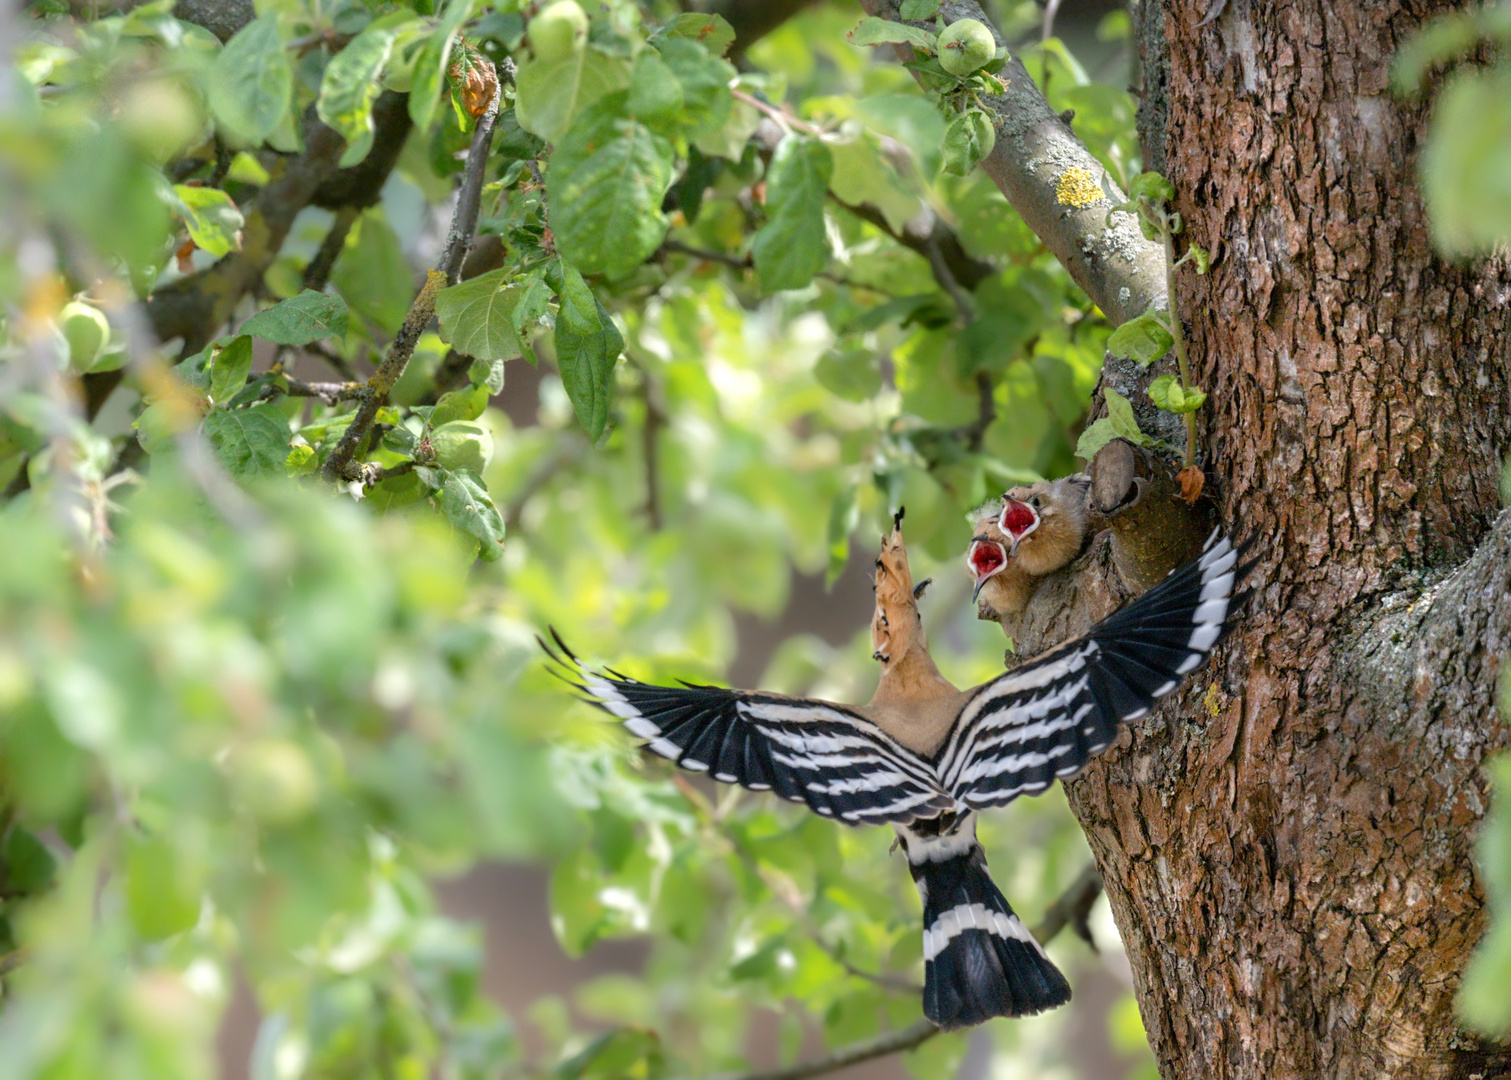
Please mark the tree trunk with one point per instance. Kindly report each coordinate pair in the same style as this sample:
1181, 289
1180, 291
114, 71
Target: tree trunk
1287, 845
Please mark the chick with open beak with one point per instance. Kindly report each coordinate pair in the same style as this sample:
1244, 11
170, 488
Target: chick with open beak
1045, 523
1002, 588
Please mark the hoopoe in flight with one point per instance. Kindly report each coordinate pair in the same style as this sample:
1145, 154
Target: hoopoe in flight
925, 757
1026, 535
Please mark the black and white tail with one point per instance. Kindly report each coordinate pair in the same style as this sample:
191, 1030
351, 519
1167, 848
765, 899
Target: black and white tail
980, 961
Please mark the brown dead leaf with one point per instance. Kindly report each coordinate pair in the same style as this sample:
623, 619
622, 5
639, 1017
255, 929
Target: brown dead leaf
1191, 481
186, 257
479, 88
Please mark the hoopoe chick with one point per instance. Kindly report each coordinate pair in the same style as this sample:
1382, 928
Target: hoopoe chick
1045, 523
1002, 586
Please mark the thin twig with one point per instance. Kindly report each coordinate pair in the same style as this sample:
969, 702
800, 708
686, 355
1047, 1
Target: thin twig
655, 420
1072, 908
327, 392
946, 279
337, 467
339, 364
974, 433
783, 118
739, 262
11, 961
317, 273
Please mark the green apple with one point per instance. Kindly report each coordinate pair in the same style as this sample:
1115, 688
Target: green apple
559, 31
87, 332
276, 781
965, 45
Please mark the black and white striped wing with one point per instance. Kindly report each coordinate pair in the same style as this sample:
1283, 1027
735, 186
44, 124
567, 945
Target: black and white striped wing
814, 752
1047, 719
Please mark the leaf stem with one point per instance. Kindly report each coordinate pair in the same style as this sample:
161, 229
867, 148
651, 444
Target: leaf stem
1175, 332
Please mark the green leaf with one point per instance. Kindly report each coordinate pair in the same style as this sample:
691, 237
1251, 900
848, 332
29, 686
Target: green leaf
489, 374
229, 369
300, 319
713, 32
1466, 168
918, 10
162, 891
793, 245
704, 80
968, 139
467, 505
863, 175
372, 273
465, 404
851, 373
655, 94
587, 346
1120, 412
26, 866
251, 83
213, 220
350, 86
607, 180
1151, 186
1201, 258
874, 31
301, 461
476, 316
1096, 435
249, 442
430, 68
1167, 393
1143, 338
550, 93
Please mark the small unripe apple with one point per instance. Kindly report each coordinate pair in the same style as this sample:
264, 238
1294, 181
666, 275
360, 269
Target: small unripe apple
462, 444
965, 45
86, 330
276, 781
559, 31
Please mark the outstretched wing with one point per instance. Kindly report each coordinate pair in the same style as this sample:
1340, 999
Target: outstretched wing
1048, 718
825, 755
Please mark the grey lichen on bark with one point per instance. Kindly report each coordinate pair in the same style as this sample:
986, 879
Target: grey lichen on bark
1122, 272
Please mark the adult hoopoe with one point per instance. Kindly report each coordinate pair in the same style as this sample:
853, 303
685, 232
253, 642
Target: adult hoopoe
924, 756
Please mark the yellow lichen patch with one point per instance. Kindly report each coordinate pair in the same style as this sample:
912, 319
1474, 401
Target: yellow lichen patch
1215, 701
1077, 187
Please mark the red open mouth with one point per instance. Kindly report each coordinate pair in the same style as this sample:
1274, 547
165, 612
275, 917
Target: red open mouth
1017, 518
986, 558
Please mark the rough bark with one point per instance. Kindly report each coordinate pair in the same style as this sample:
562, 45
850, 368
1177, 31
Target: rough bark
1287, 844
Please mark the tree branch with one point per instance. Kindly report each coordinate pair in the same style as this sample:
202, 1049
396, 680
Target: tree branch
1121, 271
317, 272
337, 467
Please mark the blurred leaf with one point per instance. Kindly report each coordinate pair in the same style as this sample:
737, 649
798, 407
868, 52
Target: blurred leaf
373, 275
229, 369
430, 67
792, 246
704, 81
917, 10
162, 895
550, 93
249, 442
350, 86
300, 319
844, 518
588, 345
1466, 169
713, 32
624, 1054
607, 180
213, 220
476, 316
874, 31
26, 866
252, 82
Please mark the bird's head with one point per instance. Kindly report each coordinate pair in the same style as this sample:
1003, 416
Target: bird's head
1021, 515
985, 559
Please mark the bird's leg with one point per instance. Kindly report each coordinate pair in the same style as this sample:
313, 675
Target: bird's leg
895, 625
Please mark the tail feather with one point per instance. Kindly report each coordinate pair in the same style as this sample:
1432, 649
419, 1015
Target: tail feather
980, 961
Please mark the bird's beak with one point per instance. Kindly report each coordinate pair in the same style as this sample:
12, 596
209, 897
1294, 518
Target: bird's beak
977, 590
1018, 520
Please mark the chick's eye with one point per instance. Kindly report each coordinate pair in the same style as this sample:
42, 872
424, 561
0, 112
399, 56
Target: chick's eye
1034, 502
